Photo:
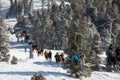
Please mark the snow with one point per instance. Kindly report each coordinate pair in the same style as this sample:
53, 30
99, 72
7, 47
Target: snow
27, 67
105, 76
5, 5
37, 4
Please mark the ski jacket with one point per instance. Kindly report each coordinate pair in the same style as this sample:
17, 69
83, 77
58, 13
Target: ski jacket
75, 57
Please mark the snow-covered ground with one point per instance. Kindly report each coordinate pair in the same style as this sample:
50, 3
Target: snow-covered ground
37, 4
26, 67
4, 7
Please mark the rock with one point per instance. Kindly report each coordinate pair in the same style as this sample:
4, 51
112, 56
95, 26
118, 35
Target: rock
14, 60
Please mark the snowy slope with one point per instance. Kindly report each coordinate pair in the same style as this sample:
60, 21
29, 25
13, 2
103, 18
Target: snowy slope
26, 67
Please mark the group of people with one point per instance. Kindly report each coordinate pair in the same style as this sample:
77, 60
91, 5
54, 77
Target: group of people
59, 57
48, 55
113, 56
112, 53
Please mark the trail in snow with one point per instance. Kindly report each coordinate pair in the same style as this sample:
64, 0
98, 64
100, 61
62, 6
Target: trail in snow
26, 67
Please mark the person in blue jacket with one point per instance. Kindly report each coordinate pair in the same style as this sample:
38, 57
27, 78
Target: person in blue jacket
75, 58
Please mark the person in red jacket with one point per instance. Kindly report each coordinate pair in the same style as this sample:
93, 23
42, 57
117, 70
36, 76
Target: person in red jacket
62, 57
46, 55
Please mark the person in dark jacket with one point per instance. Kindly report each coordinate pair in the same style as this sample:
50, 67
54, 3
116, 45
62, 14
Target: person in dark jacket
50, 55
118, 54
111, 56
57, 57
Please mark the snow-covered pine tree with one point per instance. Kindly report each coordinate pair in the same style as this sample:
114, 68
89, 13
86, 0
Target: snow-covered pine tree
84, 39
20, 7
4, 44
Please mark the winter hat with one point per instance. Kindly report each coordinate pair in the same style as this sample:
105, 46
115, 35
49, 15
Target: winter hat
75, 52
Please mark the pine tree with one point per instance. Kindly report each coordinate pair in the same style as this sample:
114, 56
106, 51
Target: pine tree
85, 26
4, 45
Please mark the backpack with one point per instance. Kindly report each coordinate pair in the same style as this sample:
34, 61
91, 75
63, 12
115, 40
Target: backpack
75, 57
46, 54
49, 54
109, 53
112, 54
62, 55
57, 56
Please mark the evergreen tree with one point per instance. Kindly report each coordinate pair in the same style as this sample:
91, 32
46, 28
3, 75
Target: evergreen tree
4, 44
85, 26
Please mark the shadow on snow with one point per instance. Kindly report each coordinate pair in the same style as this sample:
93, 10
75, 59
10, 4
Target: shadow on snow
53, 64
18, 73
20, 45
29, 73
3, 12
